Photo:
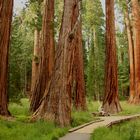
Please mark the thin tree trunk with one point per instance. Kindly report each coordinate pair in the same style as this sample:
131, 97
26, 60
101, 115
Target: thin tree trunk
47, 55
96, 64
56, 104
6, 7
36, 57
111, 102
131, 55
136, 27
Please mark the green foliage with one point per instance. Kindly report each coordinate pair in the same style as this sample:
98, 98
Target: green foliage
81, 117
32, 15
131, 128
21, 50
20, 58
39, 130
126, 131
122, 5
22, 42
93, 24
129, 108
123, 64
58, 17
20, 109
92, 14
22, 129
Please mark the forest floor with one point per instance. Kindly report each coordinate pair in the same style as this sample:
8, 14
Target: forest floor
21, 129
85, 132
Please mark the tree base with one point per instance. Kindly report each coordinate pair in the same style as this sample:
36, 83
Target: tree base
135, 101
112, 108
51, 118
50, 114
5, 113
131, 100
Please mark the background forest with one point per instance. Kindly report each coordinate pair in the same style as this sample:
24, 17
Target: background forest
93, 29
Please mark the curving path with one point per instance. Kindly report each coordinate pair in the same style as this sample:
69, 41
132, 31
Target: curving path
84, 132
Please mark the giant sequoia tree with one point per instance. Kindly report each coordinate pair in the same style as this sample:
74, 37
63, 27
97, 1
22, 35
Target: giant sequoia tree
136, 30
6, 7
78, 67
131, 52
111, 102
47, 55
56, 104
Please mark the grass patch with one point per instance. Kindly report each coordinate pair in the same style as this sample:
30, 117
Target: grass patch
20, 109
21, 129
81, 117
39, 130
129, 109
126, 131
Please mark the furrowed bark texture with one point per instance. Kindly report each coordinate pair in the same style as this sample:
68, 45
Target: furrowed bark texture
6, 7
131, 55
47, 55
111, 102
136, 28
78, 68
56, 104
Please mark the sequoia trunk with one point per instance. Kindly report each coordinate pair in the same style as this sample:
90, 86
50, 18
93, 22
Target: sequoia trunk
56, 104
136, 28
6, 7
47, 55
78, 68
111, 102
131, 55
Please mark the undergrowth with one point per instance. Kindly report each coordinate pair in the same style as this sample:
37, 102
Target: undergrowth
126, 131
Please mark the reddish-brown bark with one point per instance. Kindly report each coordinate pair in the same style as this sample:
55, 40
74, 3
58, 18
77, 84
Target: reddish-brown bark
47, 55
6, 7
78, 68
111, 102
56, 104
136, 30
131, 54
